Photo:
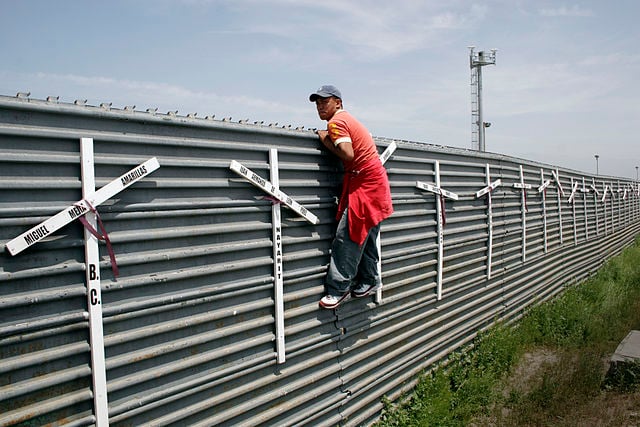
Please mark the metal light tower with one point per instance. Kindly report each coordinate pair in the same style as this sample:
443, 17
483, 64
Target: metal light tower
597, 168
477, 60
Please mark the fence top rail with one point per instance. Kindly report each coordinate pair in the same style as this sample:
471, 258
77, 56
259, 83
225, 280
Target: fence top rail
23, 101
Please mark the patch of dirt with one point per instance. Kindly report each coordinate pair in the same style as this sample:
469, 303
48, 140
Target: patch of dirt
527, 373
606, 408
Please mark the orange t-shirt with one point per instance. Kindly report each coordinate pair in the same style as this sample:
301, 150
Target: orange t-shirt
365, 187
343, 127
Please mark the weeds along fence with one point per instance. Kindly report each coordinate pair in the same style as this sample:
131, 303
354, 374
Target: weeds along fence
214, 317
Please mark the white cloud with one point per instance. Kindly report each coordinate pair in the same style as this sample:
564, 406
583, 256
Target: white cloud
572, 11
370, 30
546, 88
626, 59
145, 94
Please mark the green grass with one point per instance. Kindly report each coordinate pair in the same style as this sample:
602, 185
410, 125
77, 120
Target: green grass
577, 331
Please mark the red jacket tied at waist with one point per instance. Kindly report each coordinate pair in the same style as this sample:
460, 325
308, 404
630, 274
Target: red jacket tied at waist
366, 194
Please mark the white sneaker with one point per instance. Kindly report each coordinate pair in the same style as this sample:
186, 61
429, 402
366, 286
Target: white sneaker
363, 290
332, 301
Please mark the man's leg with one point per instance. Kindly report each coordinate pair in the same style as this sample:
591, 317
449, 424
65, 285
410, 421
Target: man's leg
345, 257
368, 276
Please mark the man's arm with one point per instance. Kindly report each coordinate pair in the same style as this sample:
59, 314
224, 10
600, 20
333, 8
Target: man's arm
344, 150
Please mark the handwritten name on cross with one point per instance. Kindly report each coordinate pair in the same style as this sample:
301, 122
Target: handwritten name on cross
391, 148
544, 186
442, 217
437, 190
273, 190
81, 207
489, 188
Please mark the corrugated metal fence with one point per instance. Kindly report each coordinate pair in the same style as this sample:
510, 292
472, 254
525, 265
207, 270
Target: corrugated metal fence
192, 327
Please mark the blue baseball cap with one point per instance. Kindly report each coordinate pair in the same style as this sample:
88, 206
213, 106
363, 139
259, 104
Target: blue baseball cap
325, 92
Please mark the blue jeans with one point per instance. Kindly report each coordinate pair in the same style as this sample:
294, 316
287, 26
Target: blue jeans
351, 264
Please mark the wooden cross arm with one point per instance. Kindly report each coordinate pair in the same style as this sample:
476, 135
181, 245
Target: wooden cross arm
489, 188
272, 190
81, 207
437, 190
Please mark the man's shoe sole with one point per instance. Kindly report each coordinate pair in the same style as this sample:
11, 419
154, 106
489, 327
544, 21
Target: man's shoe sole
336, 305
368, 292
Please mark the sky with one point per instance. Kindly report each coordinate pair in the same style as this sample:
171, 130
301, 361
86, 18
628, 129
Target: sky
564, 88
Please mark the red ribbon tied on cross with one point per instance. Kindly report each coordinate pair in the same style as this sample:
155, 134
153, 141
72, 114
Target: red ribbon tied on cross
101, 235
443, 210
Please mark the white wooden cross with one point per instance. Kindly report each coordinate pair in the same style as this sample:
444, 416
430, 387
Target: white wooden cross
278, 273
488, 190
624, 199
87, 207
585, 191
635, 190
605, 190
273, 189
618, 196
572, 200
619, 190
391, 148
596, 194
630, 207
440, 213
560, 194
524, 187
574, 190
542, 189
